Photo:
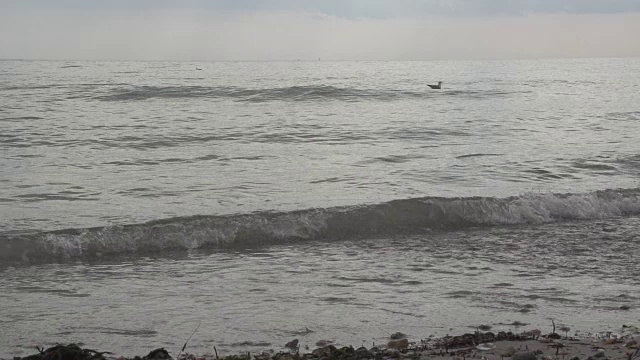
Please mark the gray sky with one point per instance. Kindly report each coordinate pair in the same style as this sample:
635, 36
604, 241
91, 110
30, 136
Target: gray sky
308, 29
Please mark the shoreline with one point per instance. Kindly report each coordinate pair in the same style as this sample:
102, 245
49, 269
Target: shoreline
528, 345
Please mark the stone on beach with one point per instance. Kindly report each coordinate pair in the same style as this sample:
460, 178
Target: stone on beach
508, 352
507, 346
401, 344
524, 355
293, 344
397, 336
323, 343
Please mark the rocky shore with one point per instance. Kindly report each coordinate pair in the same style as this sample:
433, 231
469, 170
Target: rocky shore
481, 345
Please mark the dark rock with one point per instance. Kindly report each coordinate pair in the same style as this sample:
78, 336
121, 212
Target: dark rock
264, 356
392, 353
326, 351
323, 343
70, 352
401, 344
487, 337
344, 353
157, 354
598, 355
283, 356
507, 336
293, 344
397, 336
363, 353
518, 323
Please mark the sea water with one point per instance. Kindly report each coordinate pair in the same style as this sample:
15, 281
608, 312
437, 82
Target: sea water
259, 202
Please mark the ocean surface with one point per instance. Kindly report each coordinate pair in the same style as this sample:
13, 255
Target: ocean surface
258, 202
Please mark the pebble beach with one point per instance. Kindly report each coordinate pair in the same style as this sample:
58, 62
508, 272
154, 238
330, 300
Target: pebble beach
528, 345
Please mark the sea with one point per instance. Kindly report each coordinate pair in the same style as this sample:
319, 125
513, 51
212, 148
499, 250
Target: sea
241, 205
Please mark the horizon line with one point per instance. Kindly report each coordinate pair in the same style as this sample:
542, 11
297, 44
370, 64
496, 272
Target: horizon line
515, 58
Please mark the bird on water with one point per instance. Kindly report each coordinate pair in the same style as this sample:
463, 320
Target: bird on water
439, 86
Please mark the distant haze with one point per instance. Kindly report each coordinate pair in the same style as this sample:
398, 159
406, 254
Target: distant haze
307, 29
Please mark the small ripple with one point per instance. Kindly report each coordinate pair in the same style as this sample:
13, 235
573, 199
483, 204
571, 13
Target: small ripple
49, 197
476, 155
459, 294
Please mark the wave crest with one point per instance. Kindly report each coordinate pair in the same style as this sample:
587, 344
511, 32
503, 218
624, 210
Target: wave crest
260, 228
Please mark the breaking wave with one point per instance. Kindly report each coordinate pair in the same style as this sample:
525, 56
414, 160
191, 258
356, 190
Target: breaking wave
339, 223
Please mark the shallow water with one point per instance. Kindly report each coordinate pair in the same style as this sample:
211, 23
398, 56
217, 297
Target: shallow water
355, 292
342, 201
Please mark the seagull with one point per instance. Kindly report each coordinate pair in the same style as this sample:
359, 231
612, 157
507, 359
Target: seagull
438, 87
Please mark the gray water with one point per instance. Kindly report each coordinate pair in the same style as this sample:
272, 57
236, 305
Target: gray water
317, 200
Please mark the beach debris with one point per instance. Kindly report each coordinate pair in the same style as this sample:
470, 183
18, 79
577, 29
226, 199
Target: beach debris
553, 334
475, 346
533, 334
67, 352
486, 346
565, 330
484, 327
472, 340
190, 336
343, 353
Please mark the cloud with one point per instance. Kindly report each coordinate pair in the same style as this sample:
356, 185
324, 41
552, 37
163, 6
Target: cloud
191, 33
352, 8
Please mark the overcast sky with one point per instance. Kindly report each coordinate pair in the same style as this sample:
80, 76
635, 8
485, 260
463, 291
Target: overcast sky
308, 29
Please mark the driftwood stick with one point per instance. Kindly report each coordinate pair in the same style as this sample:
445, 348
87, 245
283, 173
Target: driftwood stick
186, 342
